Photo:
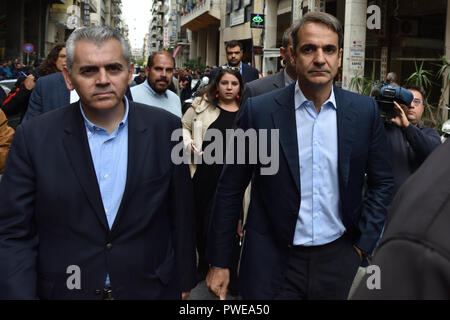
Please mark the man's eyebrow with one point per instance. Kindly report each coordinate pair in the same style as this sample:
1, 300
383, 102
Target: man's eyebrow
86, 67
114, 64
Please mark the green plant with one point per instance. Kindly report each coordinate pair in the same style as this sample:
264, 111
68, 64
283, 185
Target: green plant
443, 72
363, 85
420, 77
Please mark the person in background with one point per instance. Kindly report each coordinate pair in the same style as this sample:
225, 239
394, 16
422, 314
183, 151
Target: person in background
235, 52
392, 78
141, 77
214, 108
16, 104
410, 141
279, 80
154, 91
6, 137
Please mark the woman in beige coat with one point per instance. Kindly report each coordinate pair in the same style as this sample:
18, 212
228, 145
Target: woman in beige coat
211, 113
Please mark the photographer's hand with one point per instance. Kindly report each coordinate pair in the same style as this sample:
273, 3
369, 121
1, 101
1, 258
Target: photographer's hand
400, 120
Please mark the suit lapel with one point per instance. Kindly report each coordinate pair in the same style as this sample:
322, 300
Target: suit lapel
138, 144
77, 149
284, 120
346, 118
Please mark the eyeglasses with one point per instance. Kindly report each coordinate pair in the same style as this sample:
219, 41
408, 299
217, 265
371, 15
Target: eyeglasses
416, 102
231, 68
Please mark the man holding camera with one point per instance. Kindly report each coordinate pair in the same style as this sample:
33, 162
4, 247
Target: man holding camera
410, 141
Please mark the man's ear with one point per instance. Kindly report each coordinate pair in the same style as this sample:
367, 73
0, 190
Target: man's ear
67, 79
283, 52
340, 57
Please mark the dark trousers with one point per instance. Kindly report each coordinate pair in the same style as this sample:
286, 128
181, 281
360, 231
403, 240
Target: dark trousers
323, 272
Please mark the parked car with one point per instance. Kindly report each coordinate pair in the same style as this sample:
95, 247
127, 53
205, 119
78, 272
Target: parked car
8, 84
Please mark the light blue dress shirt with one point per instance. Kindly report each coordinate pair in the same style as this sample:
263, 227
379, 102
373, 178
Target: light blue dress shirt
109, 153
145, 94
319, 220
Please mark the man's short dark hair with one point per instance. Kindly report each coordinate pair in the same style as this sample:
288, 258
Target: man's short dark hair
418, 89
318, 17
287, 37
232, 44
151, 58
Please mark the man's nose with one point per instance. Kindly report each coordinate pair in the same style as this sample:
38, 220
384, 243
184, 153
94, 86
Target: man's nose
319, 57
102, 76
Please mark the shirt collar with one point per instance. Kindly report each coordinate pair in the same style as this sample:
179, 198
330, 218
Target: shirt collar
92, 127
300, 99
147, 85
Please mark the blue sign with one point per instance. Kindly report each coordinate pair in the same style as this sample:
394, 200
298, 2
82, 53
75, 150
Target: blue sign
28, 48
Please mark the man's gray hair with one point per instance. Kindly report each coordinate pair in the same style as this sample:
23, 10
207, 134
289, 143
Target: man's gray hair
97, 35
319, 17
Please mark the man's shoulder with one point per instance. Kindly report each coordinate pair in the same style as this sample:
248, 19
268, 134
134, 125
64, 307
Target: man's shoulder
152, 114
51, 78
259, 84
138, 88
172, 95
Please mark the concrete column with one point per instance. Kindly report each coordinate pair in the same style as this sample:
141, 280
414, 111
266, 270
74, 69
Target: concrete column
211, 46
270, 33
15, 21
193, 49
354, 40
201, 45
447, 57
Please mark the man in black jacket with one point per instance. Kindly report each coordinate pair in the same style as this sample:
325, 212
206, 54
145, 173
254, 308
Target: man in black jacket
412, 261
410, 141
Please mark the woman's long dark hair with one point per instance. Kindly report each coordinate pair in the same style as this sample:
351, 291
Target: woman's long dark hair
49, 64
211, 90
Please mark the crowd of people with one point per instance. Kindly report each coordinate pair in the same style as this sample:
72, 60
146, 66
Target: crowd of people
90, 179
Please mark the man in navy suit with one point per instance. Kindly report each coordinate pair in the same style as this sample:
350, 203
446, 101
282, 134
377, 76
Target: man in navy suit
92, 207
234, 51
309, 226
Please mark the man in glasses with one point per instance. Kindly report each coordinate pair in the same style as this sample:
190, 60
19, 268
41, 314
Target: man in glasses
410, 141
235, 52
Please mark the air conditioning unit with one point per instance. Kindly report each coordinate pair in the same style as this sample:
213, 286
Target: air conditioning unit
408, 28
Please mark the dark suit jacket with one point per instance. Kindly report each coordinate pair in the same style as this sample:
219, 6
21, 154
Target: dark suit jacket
52, 217
248, 73
263, 85
414, 253
275, 199
49, 93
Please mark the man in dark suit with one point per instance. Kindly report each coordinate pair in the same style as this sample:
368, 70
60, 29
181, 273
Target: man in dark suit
277, 81
92, 205
308, 227
412, 261
234, 51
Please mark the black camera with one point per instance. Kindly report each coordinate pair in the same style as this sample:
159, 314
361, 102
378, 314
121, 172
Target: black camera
387, 94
